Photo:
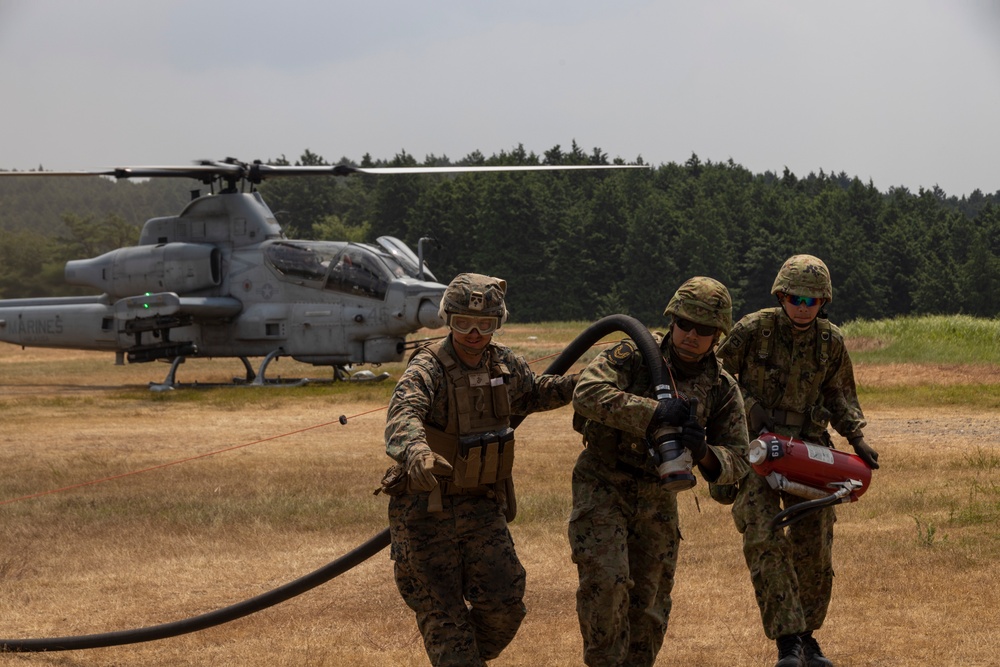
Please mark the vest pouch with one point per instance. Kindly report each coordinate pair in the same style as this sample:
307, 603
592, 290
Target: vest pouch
491, 457
506, 464
468, 462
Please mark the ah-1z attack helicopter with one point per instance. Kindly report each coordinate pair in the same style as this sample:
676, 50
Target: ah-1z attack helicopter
221, 280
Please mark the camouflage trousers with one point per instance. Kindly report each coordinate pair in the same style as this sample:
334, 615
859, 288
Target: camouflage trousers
791, 569
624, 536
457, 570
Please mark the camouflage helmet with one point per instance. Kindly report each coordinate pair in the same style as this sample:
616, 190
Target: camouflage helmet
703, 301
804, 275
474, 294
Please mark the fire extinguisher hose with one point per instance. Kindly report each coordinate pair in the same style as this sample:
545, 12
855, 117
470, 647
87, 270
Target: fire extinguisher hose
790, 515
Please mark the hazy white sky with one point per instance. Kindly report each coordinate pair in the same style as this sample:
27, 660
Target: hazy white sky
899, 92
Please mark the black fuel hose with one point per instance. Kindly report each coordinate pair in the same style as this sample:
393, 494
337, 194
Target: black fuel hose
562, 363
798, 511
607, 325
210, 619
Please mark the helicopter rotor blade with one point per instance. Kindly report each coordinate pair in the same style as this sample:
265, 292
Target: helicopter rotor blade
199, 171
267, 171
90, 172
256, 172
474, 169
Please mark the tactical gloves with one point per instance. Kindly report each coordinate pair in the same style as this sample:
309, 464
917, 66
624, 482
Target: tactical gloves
867, 454
669, 412
693, 434
421, 466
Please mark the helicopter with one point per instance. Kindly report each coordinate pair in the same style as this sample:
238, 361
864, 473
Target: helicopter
220, 279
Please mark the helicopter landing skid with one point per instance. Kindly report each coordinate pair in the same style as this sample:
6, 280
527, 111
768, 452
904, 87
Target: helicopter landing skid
169, 382
260, 379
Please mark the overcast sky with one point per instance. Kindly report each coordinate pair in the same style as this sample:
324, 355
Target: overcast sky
899, 92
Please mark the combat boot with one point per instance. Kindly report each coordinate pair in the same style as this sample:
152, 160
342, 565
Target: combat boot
811, 652
789, 651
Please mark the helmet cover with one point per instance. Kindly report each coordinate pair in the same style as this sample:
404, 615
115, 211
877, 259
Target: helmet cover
804, 275
705, 301
474, 294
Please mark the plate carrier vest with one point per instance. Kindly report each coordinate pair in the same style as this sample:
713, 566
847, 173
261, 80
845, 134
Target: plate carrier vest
477, 440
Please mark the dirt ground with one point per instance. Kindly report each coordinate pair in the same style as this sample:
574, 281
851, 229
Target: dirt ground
239, 497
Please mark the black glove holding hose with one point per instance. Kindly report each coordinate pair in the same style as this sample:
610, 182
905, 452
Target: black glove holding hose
669, 412
693, 434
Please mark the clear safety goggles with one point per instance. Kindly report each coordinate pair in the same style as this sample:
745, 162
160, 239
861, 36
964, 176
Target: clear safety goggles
463, 324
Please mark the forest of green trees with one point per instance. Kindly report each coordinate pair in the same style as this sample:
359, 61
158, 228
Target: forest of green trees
574, 245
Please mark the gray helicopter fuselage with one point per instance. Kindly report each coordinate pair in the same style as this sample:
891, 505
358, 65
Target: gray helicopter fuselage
221, 280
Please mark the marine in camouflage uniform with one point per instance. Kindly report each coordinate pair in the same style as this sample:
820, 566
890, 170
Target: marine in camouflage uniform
624, 530
796, 377
448, 427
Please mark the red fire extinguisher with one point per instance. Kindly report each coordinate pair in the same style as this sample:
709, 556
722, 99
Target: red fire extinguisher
822, 475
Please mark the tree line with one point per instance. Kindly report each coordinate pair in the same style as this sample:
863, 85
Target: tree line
575, 245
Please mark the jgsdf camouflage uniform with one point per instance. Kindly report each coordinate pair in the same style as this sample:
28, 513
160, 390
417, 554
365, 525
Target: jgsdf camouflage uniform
455, 564
623, 529
804, 381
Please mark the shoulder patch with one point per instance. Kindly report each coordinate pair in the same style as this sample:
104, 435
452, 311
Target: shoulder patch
737, 340
621, 353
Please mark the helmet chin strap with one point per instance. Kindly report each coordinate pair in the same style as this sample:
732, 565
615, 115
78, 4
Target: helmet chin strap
797, 327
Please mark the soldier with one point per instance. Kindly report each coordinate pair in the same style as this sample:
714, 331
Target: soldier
448, 426
623, 529
796, 377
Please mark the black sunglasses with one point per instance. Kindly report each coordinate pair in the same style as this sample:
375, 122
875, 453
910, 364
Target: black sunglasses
700, 329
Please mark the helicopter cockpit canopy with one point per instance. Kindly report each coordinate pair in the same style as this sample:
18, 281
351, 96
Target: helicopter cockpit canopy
405, 257
353, 268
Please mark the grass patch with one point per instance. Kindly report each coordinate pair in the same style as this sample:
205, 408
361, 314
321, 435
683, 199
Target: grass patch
981, 396
261, 398
957, 339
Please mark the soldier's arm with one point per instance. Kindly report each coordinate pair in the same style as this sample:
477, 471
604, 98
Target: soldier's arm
408, 409
601, 394
726, 433
554, 391
840, 396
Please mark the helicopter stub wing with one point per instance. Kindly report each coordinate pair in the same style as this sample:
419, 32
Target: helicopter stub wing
170, 303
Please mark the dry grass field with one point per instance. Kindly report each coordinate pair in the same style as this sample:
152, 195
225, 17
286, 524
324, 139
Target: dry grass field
264, 485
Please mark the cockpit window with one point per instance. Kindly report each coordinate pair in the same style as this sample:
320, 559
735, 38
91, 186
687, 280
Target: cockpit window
300, 261
360, 271
351, 268
398, 253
